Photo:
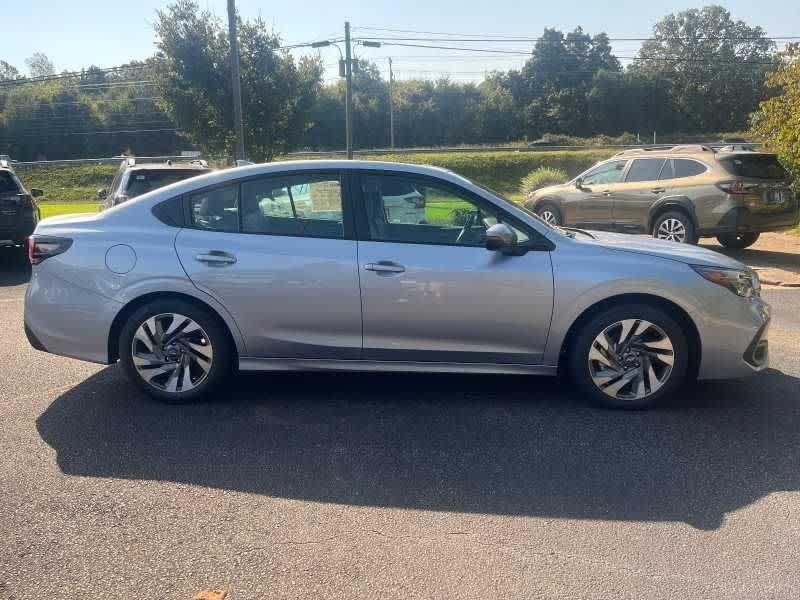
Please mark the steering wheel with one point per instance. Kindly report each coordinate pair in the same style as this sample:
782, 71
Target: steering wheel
471, 220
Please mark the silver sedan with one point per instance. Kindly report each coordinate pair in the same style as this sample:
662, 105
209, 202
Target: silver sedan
301, 266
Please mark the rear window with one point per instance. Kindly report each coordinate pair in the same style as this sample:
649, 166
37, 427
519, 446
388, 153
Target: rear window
645, 169
142, 181
761, 166
7, 183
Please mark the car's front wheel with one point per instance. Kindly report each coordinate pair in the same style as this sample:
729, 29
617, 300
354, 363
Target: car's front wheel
549, 213
629, 357
175, 351
737, 241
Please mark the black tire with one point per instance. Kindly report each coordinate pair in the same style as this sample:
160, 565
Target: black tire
218, 338
548, 207
578, 358
738, 241
689, 237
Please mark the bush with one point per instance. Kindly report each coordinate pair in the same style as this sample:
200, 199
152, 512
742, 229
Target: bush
502, 171
541, 177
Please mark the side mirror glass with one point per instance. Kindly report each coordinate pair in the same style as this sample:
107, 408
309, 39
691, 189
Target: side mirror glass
579, 183
102, 193
36, 193
500, 237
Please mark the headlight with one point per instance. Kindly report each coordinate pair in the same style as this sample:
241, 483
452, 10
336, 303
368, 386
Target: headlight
742, 283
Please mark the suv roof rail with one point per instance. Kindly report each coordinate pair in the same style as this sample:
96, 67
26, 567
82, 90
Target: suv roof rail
640, 150
690, 148
200, 162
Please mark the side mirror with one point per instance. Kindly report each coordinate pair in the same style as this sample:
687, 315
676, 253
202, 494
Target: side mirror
102, 193
500, 237
579, 183
36, 193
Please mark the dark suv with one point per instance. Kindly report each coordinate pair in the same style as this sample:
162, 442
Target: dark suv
19, 212
679, 194
136, 178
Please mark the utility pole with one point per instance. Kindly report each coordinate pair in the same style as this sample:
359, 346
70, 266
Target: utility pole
236, 82
391, 105
348, 100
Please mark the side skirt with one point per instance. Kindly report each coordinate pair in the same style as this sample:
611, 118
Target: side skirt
324, 364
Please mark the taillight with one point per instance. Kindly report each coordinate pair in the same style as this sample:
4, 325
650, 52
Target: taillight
737, 187
42, 247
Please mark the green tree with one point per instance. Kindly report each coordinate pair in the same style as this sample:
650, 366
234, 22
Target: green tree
777, 119
714, 64
8, 71
192, 71
39, 65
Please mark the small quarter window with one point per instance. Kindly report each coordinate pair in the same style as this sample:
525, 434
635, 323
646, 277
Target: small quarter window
688, 168
216, 209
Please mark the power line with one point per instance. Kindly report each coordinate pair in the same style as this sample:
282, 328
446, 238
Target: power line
70, 74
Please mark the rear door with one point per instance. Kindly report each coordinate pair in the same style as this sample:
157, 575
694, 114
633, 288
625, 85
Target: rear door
639, 191
432, 292
279, 253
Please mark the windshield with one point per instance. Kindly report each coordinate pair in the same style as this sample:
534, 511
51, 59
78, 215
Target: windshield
759, 166
143, 181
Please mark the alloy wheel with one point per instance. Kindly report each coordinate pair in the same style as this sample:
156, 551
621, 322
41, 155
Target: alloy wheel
548, 216
631, 359
672, 230
172, 352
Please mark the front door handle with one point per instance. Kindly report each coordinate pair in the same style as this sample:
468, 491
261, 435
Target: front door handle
215, 257
385, 266
658, 190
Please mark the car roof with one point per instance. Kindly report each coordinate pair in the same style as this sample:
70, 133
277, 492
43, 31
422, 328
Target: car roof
171, 167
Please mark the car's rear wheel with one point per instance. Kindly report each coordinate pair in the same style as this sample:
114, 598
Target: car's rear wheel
738, 241
674, 226
549, 213
629, 357
175, 351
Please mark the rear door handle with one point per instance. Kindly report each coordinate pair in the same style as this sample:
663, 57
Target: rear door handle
385, 266
606, 192
216, 257
658, 190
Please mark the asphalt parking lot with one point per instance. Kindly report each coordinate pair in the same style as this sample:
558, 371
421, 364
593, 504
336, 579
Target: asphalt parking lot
394, 486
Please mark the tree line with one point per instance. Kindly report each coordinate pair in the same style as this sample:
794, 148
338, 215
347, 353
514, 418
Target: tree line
700, 71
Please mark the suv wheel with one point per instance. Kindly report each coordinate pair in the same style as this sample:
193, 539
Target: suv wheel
175, 351
737, 241
629, 357
676, 227
550, 214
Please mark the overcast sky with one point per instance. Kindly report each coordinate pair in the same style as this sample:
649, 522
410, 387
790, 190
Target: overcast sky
110, 32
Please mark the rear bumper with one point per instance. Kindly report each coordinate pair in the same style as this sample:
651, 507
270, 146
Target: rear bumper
64, 319
742, 220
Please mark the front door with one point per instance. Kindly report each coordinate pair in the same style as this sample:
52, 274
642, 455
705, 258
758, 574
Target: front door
431, 291
275, 252
592, 204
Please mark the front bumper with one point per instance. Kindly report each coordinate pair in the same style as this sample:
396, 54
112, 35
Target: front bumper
735, 338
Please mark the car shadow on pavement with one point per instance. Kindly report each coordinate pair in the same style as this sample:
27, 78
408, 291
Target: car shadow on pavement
14, 267
481, 444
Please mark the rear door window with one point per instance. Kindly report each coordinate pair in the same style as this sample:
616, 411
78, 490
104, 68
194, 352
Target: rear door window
644, 169
759, 166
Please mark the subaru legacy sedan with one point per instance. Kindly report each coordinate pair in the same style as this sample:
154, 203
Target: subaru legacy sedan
191, 282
